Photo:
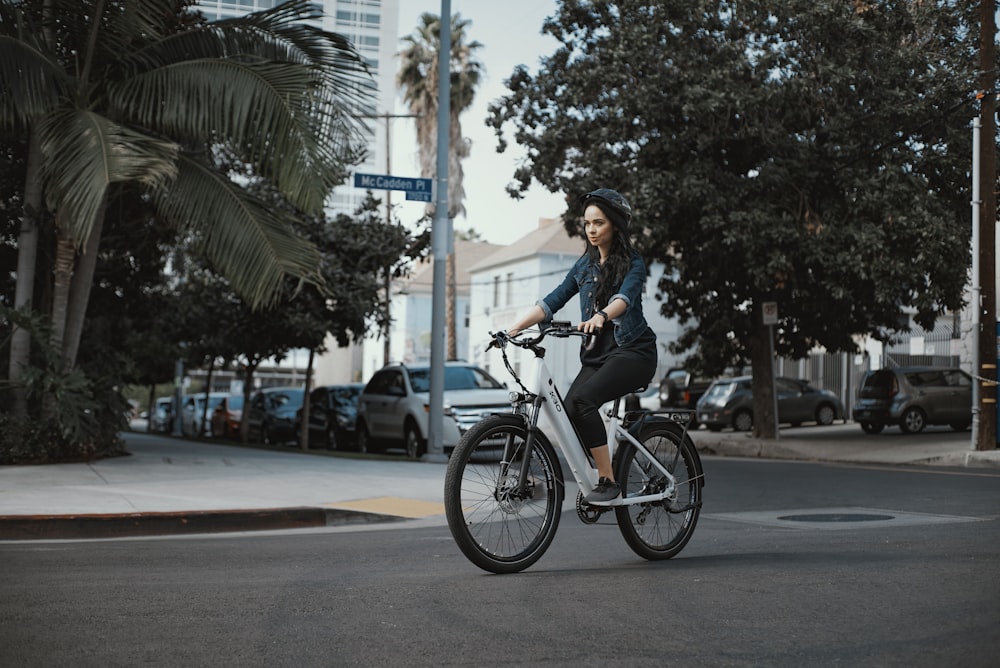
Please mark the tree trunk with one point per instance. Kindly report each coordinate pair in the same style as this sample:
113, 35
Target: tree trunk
27, 254
763, 377
62, 276
200, 432
79, 296
304, 426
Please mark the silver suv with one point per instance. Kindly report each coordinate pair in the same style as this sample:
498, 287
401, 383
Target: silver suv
914, 397
394, 405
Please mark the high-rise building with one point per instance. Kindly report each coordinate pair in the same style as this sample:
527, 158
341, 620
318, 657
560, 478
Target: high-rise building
371, 25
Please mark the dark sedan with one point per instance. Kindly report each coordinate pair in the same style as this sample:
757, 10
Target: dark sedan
333, 413
271, 418
729, 403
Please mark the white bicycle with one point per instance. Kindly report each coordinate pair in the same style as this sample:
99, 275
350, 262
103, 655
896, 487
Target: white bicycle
504, 486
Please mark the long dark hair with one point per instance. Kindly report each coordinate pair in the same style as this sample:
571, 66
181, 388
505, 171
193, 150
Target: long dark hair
615, 267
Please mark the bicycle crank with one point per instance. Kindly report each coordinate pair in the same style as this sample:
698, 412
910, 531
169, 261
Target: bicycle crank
587, 513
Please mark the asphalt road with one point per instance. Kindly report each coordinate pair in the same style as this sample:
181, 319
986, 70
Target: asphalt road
792, 564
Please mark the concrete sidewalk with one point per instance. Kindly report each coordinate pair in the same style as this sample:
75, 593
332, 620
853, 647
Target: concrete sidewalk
172, 486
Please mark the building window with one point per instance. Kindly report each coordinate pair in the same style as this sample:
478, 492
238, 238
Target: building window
496, 291
510, 288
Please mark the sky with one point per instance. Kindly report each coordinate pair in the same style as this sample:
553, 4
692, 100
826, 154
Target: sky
510, 32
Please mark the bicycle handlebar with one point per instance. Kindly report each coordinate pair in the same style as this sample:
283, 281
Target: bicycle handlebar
558, 328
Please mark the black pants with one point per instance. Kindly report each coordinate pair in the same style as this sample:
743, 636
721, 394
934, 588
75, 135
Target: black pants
622, 372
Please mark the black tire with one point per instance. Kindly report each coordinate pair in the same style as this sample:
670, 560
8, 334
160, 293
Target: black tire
825, 414
365, 443
415, 446
743, 421
872, 427
653, 530
498, 530
912, 421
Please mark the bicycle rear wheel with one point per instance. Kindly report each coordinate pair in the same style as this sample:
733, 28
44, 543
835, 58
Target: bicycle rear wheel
660, 529
498, 528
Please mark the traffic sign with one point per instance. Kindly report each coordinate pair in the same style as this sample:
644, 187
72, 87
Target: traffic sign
415, 188
770, 313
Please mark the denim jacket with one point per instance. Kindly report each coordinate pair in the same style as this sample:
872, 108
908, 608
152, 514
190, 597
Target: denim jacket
582, 279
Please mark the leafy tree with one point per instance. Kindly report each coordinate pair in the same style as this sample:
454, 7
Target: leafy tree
418, 77
811, 153
354, 250
109, 91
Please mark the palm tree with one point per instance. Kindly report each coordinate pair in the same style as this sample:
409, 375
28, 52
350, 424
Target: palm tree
418, 77
113, 91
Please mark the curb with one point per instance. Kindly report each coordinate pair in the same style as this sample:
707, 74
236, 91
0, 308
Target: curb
35, 527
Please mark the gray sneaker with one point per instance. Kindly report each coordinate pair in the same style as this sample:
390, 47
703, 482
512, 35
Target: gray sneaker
606, 490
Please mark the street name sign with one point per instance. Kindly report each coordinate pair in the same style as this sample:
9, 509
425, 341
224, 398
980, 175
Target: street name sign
419, 190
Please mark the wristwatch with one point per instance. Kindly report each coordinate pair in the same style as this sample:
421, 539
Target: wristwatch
603, 315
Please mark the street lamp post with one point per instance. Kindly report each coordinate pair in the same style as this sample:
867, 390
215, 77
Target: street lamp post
387, 117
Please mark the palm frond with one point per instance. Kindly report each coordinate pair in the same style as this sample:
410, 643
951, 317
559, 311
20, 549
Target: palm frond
31, 83
278, 93
249, 243
85, 152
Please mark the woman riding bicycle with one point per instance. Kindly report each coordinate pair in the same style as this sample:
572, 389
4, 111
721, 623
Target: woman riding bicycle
609, 277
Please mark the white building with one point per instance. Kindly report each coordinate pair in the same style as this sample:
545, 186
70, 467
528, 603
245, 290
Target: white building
507, 283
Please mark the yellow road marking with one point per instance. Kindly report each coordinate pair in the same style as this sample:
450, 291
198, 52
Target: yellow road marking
392, 505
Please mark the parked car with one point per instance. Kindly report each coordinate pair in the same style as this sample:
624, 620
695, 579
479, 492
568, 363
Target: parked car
194, 413
728, 402
679, 388
393, 406
227, 416
914, 397
271, 416
333, 414
162, 419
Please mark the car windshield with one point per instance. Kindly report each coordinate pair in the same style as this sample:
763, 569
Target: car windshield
285, 396
346, 396
719, 391
455, 378
235, 402
879, 385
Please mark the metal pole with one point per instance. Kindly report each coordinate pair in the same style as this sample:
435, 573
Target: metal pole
976, 288
388, 222
774, 381
439, 244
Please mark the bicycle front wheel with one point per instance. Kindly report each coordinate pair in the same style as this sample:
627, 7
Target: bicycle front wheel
660, 529
499, 524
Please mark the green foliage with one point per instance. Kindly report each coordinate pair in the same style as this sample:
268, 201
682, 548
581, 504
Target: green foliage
85, 419
811, 153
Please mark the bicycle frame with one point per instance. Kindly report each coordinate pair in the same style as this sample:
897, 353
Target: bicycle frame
547, 400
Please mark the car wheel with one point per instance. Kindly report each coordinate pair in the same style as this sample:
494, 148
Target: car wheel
913, 421
364, 439
415, 446
872, 427
743, 421
825, 415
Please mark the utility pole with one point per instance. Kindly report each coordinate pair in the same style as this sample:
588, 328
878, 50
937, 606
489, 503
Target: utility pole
987, 332
440, 233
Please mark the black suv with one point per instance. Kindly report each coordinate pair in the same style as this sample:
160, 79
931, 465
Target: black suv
914, 397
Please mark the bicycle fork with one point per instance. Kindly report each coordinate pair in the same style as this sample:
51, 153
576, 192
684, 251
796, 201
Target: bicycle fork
519, 491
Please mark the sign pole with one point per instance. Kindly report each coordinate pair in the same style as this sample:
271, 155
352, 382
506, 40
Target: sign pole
769, 314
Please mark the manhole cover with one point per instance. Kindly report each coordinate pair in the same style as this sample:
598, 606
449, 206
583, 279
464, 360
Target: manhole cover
836, 517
